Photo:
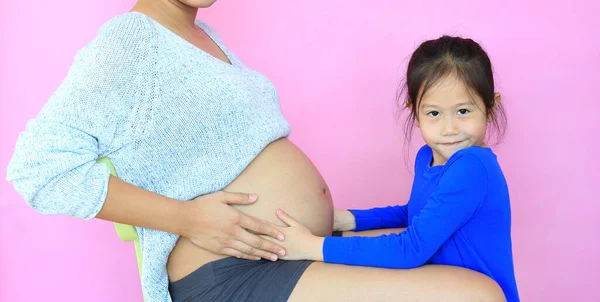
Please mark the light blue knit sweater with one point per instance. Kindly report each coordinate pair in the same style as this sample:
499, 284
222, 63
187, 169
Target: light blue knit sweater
172, 118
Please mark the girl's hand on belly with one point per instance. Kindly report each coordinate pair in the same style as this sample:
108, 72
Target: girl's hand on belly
299, 243
343, 220
214, 225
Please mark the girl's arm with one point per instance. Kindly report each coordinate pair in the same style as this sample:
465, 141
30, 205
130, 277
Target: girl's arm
460, 192
380, 218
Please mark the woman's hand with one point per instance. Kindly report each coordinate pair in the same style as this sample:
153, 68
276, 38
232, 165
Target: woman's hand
300, 243
343, 220
211, 223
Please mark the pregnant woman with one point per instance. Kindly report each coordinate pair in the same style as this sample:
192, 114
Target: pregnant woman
188, 127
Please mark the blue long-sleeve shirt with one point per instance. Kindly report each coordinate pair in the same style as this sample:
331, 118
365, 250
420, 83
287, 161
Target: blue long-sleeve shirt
458, 214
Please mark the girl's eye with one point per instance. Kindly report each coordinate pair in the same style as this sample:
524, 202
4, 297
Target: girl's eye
463, 111
433, 113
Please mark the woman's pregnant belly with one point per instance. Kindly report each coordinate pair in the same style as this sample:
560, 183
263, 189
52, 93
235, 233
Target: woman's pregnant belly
283, 177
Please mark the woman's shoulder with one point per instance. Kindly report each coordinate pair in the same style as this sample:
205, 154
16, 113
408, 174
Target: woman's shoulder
122, 42
113, 65
121, 35
130, 25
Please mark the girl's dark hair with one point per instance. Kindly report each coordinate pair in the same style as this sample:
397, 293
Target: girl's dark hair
436, 59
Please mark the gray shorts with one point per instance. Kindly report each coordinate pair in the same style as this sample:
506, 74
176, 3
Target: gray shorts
232, 279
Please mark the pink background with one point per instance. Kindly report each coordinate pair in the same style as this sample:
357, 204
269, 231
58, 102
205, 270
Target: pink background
336, 67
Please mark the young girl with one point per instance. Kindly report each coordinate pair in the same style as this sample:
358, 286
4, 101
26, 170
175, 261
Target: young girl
459, 211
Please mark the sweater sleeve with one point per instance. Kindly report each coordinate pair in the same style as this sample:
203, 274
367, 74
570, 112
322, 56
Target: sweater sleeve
459, 194
381, 218
105, 92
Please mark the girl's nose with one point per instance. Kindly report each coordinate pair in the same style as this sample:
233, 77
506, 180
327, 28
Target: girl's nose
450, 127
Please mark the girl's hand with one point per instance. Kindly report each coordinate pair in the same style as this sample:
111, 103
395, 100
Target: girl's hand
300, 243
215, 226
343, 220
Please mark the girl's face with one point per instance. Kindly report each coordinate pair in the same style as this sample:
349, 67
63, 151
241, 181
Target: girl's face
451, 118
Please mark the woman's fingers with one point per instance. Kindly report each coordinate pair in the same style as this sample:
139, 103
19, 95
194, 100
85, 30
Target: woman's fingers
236, 253
258, 246
238, 198
259, 227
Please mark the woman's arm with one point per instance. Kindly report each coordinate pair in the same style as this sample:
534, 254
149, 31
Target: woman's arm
208, 220
128, 204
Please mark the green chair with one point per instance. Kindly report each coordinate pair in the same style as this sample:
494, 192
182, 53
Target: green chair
125, 232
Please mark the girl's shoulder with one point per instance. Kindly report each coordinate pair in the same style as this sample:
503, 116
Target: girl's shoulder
482, 154
475, 159
471, 156
424, 157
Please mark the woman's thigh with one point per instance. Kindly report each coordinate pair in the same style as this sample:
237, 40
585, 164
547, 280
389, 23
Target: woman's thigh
331, 282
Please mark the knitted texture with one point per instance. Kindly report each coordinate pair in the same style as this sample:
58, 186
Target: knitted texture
172, 118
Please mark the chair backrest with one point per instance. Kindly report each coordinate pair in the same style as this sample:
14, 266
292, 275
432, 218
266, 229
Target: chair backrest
125, 232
